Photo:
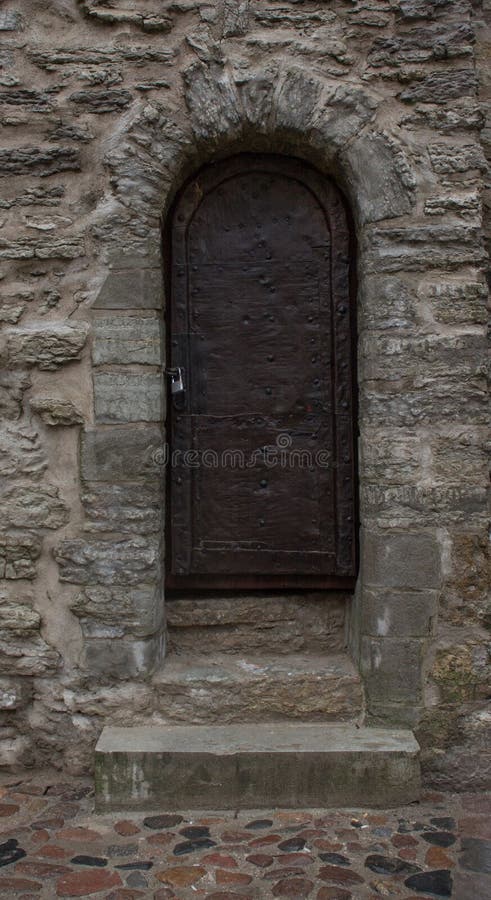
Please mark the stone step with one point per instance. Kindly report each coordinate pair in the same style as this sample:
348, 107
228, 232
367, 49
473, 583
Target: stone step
273, 623
200, 690
287, 765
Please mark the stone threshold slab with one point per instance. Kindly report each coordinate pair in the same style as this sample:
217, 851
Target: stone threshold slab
286, 765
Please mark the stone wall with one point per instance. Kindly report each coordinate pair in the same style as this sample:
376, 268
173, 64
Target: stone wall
107, 106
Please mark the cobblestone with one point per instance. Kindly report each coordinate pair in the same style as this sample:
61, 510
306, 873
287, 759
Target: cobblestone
52, 844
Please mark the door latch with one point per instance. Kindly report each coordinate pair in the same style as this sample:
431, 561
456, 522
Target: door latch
176, 376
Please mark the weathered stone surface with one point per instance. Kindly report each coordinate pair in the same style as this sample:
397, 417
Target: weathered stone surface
462, 115
15, 693
101, 101
32, 506
122, 659
297, 100
455, 302
127, 339
212, 102
135, 610
10, 21
440, 87
133, 508
46, 346
407, 560
394, 661
38, 161
276, 624
225, 688
121, 454
108, 562
467, 206
22, 650
387, 357
233, 767
18, 555
382, 182
423, 43
21, 453
56, 411
135, 288
399, 614
115, 122
128, 398
448, 159
145, 16
35, 248
235, 17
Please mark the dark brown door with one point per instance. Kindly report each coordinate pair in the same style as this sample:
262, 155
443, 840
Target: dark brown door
262, 469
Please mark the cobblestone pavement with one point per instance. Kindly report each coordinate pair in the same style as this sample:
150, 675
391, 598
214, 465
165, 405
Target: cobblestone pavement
52, 844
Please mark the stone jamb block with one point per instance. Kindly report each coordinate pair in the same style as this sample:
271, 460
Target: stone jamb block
392, 669
138, 397
119, 454
407, 560
398, 614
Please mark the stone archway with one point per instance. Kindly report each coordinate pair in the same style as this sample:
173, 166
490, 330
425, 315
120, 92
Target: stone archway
338, 129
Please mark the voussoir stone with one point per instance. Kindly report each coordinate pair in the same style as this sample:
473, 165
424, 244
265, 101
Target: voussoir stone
381, 180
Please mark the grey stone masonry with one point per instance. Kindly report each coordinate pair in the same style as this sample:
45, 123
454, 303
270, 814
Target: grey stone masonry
107, 110
232, 767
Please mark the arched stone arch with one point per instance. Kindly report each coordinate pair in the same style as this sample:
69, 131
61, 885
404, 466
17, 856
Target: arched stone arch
336, 127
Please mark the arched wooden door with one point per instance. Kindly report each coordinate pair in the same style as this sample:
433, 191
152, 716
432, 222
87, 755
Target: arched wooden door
261, 481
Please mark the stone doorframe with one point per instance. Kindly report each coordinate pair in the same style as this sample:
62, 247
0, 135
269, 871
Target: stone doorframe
340, 130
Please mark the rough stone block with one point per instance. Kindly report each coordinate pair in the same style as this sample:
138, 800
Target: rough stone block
342, 112
275, 624
440, 87
22, 649
225, 688
42, 161
382, 183
297, 100
127, 339
398, 614
136, 610
456, 302
55, 411
106, 101
109, 562
123, 659
122, 454
410, 505
15, 693
32, 506
128, 398
448, 159
387, 303
136, 509
392, 669
135, 288
212, 101
19, 553
46, 346
407, 560
233, 767
21, 452
425, 401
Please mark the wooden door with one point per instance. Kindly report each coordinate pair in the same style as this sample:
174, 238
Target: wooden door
261, 480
